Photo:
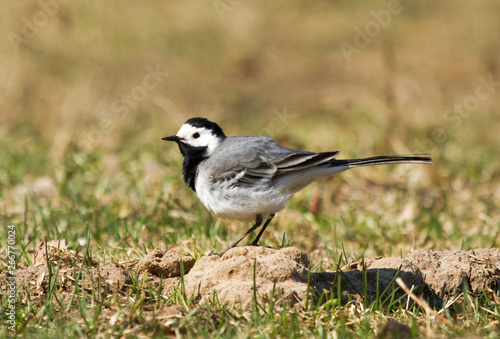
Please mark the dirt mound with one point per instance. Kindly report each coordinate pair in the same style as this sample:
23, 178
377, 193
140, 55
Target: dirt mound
165, 264
449, 272
281, 275
242, 272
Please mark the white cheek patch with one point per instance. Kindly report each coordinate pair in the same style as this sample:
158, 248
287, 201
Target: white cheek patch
209, 140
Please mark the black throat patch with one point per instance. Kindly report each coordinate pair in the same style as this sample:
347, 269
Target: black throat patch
193, 156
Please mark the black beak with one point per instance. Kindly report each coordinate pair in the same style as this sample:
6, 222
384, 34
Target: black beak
172, 138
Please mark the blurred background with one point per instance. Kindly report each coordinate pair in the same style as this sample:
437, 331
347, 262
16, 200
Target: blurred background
88, 89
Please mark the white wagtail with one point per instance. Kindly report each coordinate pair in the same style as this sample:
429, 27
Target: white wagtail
250, 178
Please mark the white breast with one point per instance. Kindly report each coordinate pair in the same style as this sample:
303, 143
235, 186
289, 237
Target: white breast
239, 203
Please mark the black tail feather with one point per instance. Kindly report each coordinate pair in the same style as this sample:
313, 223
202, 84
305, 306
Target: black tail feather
381, 160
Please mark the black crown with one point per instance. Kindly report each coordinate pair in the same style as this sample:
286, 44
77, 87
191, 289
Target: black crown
205, 123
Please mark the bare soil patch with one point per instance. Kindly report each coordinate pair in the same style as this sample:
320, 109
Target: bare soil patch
281, 275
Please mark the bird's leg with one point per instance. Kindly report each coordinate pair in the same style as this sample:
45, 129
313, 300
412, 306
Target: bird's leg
255, 242
258, 222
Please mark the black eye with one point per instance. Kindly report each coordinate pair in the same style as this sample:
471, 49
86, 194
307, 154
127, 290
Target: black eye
196, 135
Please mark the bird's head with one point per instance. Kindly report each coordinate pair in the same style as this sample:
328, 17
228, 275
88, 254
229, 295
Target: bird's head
198, 135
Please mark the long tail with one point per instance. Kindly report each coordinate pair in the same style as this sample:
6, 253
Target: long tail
381, 160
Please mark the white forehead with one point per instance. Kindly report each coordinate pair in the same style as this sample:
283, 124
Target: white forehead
188, 130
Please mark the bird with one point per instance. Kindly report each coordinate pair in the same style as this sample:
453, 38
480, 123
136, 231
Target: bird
251, 177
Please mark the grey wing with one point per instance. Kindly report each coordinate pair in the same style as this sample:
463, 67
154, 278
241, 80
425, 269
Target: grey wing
256, 160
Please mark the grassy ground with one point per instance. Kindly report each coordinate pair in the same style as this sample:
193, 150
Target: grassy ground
86, 95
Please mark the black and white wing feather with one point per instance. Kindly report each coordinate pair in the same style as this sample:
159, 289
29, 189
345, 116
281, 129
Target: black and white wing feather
250, 161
